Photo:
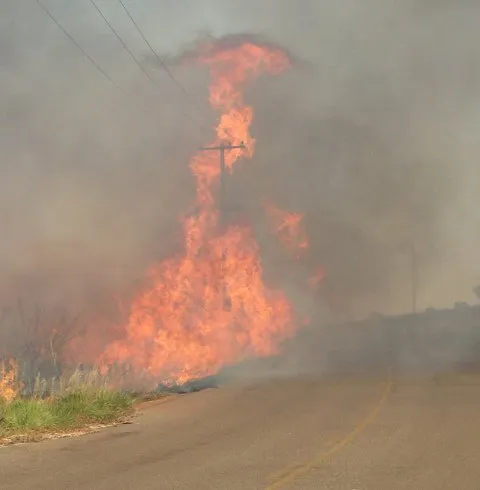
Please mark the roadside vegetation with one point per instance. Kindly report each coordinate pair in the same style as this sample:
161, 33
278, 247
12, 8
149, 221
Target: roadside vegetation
30, 417
43, 391
82, 401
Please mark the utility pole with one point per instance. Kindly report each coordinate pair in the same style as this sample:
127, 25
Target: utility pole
408, 250
414, 277
222, 148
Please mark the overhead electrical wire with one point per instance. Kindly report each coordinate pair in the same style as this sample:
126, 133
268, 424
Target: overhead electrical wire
124, 45
162, 64
121, 41
157, 57
72, 39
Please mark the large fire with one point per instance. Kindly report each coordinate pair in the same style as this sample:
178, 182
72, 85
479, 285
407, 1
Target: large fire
209, 306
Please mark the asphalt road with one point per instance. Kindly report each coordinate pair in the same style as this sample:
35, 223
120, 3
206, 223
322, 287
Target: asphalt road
294, 433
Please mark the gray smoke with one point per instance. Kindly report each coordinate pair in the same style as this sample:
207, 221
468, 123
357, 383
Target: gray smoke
373, 136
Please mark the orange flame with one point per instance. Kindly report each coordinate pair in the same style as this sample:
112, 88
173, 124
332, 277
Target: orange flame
209, 307
289, 229
9, 385
317, 277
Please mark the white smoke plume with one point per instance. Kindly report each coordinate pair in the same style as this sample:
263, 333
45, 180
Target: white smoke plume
373, 137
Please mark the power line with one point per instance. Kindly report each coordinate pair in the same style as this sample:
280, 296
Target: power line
129, 51
160, 61
79, 47
72, 39
122, 42
157, 57
89, 58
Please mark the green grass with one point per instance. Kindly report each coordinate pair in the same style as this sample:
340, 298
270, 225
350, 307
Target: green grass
30, 416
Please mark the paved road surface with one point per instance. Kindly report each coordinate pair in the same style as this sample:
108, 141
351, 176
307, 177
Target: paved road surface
302, 433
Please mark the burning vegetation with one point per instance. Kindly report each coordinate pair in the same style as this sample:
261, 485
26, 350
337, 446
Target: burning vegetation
204, 308
209, 306
9, 383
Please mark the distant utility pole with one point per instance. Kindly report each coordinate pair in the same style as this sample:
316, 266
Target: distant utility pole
222, 148
414, 277
408, 250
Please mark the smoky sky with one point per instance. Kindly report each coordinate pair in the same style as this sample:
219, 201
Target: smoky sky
372, 134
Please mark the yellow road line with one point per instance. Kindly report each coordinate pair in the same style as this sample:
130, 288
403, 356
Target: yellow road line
300, 469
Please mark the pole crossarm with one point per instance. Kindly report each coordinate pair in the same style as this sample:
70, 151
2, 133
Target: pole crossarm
223, 147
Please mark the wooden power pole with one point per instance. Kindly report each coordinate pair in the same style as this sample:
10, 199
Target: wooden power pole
222, 148
414, 277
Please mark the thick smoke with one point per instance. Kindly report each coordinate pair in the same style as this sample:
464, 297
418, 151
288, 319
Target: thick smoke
372, 135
